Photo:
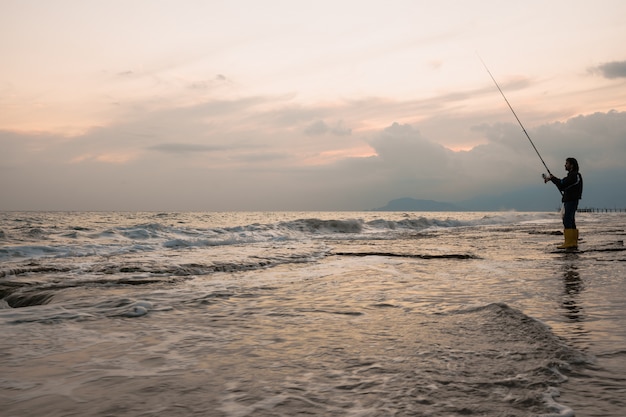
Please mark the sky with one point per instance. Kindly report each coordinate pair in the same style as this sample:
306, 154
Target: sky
194, 105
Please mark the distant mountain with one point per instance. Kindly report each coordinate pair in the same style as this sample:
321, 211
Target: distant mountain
411, 204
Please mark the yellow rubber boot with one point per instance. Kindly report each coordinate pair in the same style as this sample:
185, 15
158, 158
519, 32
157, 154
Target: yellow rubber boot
571, 239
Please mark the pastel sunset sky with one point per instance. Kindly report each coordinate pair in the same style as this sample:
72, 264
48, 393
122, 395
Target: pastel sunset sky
305, 105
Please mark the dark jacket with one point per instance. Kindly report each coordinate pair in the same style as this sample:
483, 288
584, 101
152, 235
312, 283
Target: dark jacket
571, 186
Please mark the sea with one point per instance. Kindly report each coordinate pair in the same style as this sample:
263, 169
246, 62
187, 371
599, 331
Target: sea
236, 314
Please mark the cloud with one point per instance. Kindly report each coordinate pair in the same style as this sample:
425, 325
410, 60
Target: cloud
182, 148
265, 153
255, 157
211, 84
320, 127
403, 147
611, 70
408, 164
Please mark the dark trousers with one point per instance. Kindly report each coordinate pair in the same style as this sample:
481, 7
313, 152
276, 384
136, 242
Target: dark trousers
569, 220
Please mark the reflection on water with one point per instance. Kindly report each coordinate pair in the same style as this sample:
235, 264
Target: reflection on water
573, 286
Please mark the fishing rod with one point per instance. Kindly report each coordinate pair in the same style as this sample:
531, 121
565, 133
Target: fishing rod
514, 114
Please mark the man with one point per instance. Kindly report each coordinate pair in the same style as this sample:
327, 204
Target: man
572, 189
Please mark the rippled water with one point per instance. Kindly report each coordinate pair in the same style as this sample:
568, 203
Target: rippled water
330, 314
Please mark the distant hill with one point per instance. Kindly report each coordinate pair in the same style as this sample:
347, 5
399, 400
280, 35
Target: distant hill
411, 204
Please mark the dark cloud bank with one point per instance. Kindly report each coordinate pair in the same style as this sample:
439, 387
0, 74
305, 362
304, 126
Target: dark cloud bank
611, 70
252, 170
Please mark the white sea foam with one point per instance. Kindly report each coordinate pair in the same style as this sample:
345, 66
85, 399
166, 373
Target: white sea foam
559, 409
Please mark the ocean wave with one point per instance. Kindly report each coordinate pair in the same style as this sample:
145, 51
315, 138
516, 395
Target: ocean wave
77, 250
35, 284
510, 325
144, 231
45, 314
72, 240
28, 251
315, 226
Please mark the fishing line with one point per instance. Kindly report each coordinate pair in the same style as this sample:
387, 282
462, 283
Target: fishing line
514, 114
